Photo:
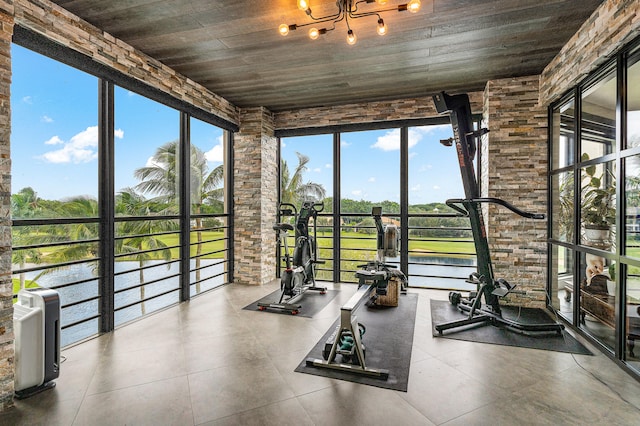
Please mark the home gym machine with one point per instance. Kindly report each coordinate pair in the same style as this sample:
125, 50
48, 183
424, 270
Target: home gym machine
373, 281
299, 274
387, 243
487, 286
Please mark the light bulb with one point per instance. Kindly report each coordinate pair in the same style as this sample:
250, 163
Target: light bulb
413, 6
351, 37
283, 29
381, 1
303, 4
314, 33
382, 27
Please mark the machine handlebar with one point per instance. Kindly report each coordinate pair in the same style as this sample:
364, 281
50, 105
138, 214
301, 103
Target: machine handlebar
291, 211
452, 203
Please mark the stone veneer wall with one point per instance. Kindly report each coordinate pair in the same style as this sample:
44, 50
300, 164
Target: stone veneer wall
255, 175
611, 25
514, 158
6, 287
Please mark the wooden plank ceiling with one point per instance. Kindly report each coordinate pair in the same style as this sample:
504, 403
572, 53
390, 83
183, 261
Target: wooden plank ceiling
233, 48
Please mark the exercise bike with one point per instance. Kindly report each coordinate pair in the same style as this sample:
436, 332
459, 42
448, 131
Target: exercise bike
299, 274
488, 288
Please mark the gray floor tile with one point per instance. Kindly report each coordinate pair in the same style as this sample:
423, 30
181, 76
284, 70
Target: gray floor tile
210, 362
164, 402
222, 392
284, 413
352, 404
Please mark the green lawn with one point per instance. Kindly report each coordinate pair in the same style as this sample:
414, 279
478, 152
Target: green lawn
349, 240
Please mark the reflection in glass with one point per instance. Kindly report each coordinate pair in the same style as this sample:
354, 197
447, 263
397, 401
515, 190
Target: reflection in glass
563, 135
562, 283
598, 206
632, 213
563, 206
633, 102
598, 119
633, 317
597, 298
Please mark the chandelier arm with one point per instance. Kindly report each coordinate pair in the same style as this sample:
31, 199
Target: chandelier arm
328, 17
354, 15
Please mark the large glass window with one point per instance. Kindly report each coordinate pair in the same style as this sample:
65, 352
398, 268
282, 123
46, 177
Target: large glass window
562, 289
62, 228
439, 252
306, 170
598, 117
369, 176
563, 135
147, 251
594, 275
441, 248
54, 201
209, 235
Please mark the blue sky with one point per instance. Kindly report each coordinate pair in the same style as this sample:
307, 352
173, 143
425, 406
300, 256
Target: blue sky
370, 163
54, 142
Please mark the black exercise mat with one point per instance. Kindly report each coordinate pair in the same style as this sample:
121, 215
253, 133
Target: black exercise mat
443, 311
388, 340
312, 302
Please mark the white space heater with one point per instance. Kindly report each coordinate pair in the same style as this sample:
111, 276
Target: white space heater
36, 322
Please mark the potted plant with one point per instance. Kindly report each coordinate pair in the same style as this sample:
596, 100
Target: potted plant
597, 209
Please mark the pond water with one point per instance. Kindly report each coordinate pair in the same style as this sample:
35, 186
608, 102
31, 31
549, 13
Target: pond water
162, 278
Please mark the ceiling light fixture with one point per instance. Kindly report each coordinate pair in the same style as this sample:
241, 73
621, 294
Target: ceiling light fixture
347, 9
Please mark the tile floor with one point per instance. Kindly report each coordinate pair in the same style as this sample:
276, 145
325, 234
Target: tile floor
208, 362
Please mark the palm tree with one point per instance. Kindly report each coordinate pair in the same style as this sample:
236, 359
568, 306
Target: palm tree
25, 204
161, 178
131, 203
293, 189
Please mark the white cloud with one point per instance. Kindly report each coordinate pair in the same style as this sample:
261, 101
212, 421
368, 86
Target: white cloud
436, 187
317, 170
55, 140
27, 100
328, 166
118, 133
344, 143
390, 141
47, 119
81, 148
356, 192
416, 188
215, 154
371, 179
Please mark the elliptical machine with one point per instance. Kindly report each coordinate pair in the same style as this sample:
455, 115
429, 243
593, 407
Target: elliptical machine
459, 110
299, 274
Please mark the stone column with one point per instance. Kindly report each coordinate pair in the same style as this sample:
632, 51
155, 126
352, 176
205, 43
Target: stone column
6, 287
514, 164
255, 175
